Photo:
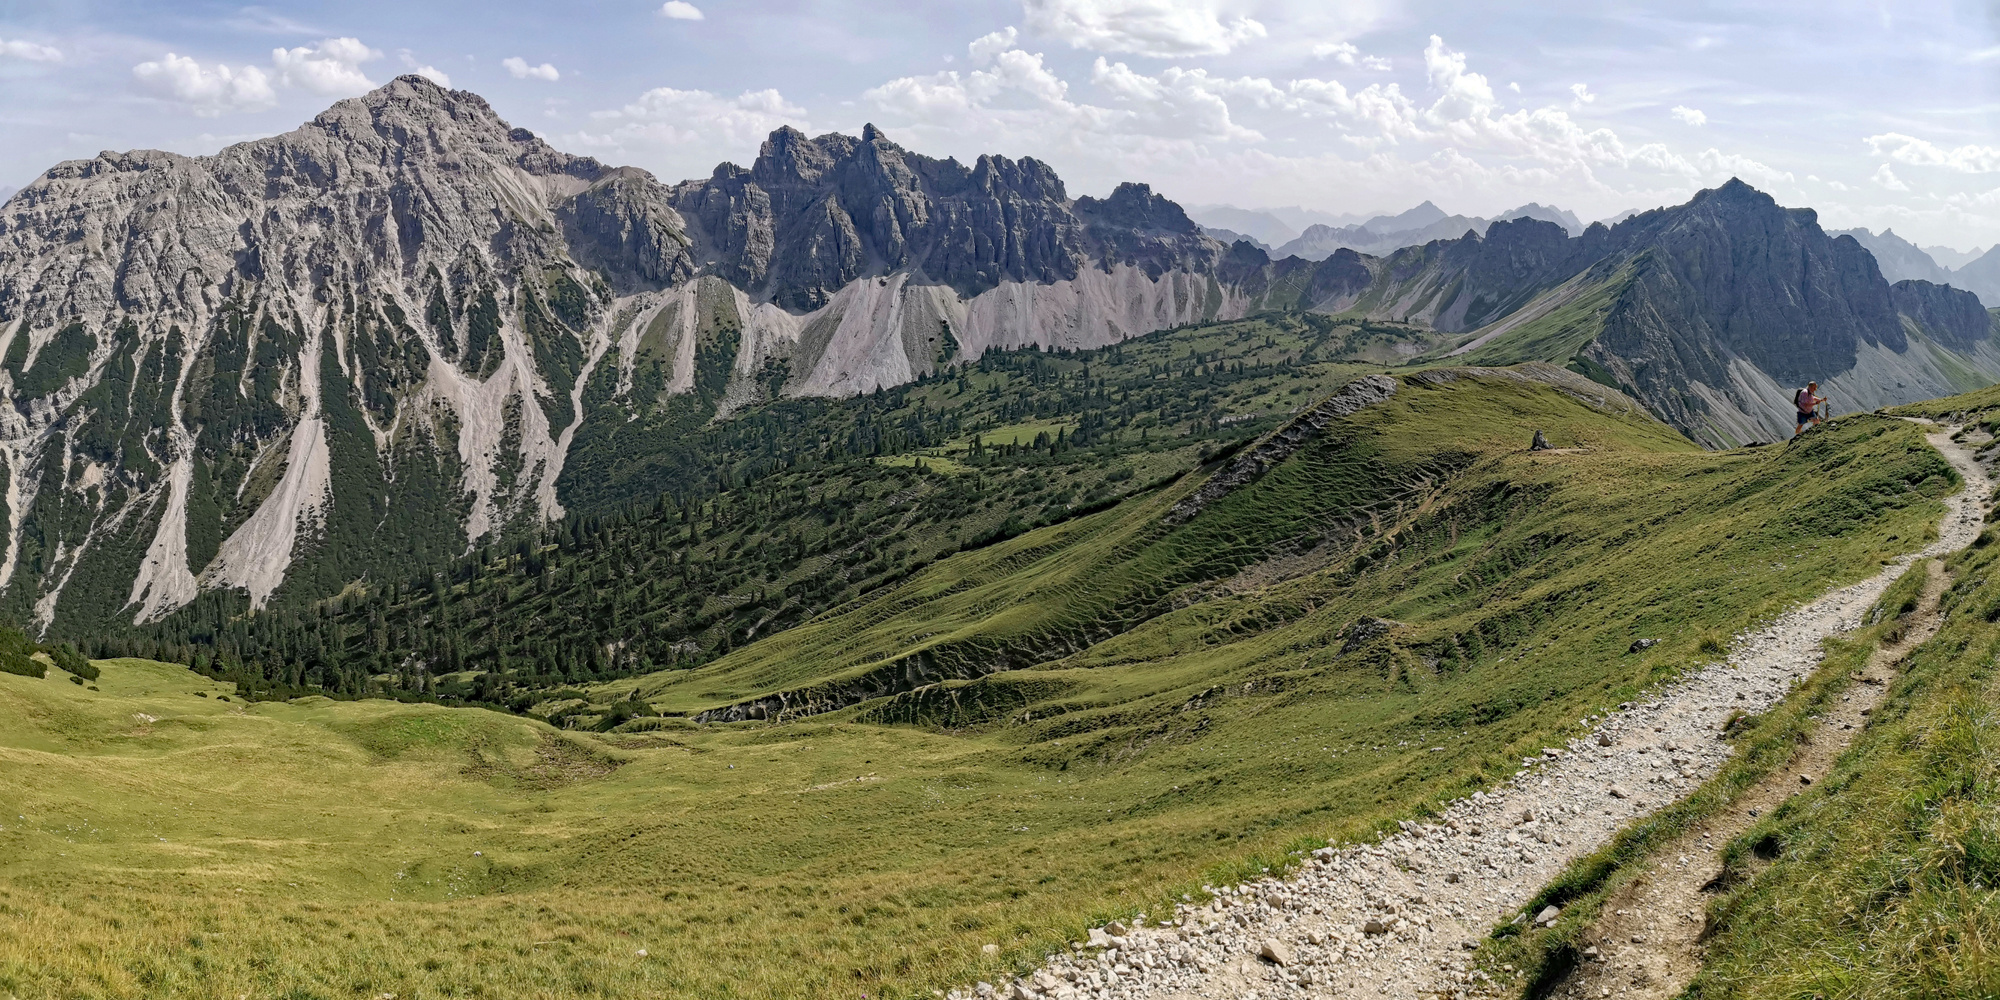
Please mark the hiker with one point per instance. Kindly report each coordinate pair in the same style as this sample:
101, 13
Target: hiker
1807, 400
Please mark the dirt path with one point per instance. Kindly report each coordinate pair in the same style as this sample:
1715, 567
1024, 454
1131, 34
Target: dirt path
1648, 942
1397, 918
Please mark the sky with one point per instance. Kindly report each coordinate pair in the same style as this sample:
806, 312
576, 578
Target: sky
1884, 115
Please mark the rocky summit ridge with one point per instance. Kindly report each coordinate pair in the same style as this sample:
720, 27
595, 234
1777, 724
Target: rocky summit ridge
356, 348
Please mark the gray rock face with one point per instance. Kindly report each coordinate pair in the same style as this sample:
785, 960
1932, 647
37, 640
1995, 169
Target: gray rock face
1949, 315
1899, 259
1982, 277
352, 348
245, 342
813, 215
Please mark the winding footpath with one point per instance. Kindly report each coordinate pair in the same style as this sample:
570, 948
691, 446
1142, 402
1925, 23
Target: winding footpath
1399, 918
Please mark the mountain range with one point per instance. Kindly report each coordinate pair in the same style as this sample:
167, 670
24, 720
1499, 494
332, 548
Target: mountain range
1377, 235
406, 328
1270, 226
1975, 271
1420, 225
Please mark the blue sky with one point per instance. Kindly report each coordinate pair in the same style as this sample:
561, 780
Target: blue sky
1876, 114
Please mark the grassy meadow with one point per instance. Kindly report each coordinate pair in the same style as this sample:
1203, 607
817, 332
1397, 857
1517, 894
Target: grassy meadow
1160, 727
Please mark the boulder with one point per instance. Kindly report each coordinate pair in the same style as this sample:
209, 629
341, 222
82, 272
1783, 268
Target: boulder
1275, 952
1547, 916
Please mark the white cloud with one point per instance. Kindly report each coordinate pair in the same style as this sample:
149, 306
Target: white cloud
19, 49
1183, 127
1002, 70
1465, 94
1515, 87
425, 70
521, 70
1921, 153
1163, 28
1887, 178
686, 132
1688, 116
1180, 102
1717, 163
332, 68
1347, 54
208, 91
1580, 95
984, 48
681, 10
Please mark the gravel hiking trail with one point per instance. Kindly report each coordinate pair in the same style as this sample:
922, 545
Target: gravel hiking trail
1399, 918
1647, 941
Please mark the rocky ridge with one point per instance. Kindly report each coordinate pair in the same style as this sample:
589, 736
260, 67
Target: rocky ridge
365, 344
350, 350
1400, 917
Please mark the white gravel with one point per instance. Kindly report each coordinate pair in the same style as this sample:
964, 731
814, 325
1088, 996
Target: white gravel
1398, 918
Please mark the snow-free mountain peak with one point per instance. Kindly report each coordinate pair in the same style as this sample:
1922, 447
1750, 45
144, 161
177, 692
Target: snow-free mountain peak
406, 327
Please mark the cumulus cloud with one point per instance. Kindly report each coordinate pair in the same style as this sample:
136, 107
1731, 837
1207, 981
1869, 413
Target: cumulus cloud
1163, 28
1887, 178
16, 48
680, 10
1184, 125
1180, 102
1001, 70
1463, 93
1347, 54
1923, 153
331, 68
1688, 116
986, 47
1717, 163
1580, 95
207, 90
522, 71
425, 70
686, 132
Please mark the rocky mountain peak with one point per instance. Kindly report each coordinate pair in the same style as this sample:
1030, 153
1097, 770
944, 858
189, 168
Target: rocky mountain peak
813, 214
1135, 206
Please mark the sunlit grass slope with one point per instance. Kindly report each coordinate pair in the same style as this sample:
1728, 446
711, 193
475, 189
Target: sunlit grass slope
1883, 879
169, 844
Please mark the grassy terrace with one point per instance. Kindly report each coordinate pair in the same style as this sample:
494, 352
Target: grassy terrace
1162, 727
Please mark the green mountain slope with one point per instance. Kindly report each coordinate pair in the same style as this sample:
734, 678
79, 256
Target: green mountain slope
1879, 881
322, 848
784, 511
1331, 503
